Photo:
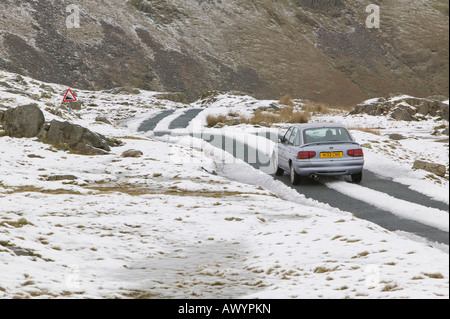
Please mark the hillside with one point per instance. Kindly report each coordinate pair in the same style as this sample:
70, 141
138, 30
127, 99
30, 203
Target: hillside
317, 50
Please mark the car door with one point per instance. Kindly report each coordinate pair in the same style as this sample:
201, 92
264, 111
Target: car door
282, 156
291, 147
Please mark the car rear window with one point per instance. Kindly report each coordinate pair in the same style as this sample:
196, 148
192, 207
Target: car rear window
326, 134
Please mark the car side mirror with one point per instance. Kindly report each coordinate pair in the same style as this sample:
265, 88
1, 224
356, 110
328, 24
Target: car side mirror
280, 139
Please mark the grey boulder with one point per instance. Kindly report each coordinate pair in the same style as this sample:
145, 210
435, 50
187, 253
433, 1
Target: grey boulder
23, 121
76, 138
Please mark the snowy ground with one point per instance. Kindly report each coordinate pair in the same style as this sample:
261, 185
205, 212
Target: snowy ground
163, 226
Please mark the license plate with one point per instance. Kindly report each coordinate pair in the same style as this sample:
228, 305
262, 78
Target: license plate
331, 154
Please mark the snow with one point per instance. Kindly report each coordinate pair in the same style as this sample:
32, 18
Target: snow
163, 125
371, 101
400, 97
425, 215
186, 220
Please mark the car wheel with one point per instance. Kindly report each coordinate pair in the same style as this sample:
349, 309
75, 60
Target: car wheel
280, 171
357, 178
295, 178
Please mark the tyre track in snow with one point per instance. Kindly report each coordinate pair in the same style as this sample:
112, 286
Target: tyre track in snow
360, 208
151, 123
400, 191
319, 191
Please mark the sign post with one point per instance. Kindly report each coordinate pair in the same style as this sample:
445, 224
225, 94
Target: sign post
69, 97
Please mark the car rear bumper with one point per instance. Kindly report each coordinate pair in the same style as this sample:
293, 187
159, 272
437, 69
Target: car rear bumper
327, 168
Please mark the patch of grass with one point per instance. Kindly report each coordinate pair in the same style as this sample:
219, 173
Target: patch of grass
321, 270
34, 189
288, 114
43, 241
363, 254
41, 293
316, 108
213, 120
217, 283
4, 243
260, 117
391, 287
286, 100
28, 283
230, 219
18, 251
18, 224
283, 115
233, 113
135, 138
136, 190
434, 276
262, 220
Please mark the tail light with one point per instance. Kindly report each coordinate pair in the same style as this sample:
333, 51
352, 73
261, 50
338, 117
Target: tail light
355, 153
306, 155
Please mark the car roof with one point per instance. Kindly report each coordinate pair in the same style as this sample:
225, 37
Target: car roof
317, 125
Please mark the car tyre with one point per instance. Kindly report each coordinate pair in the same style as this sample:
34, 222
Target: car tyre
357, 178
280, 171
295, 178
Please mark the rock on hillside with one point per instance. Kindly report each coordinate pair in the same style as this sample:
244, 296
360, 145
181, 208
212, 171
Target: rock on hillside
316, 50
23, 121
405, 108
29, 121
76, 138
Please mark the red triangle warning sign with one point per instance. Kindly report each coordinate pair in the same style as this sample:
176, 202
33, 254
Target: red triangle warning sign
69, 97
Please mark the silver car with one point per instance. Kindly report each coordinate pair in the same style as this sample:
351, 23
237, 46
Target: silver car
312, 150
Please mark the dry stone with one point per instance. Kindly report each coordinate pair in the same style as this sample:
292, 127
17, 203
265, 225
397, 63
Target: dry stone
434, 168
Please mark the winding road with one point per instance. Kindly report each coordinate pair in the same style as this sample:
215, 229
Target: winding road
322, 190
